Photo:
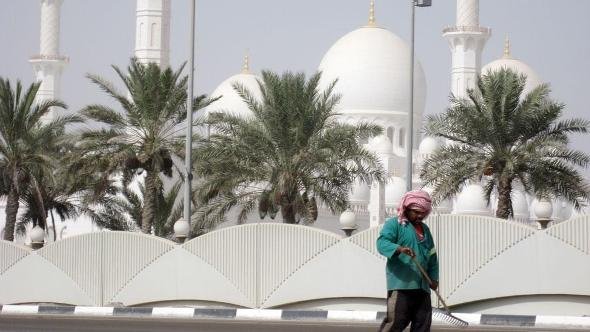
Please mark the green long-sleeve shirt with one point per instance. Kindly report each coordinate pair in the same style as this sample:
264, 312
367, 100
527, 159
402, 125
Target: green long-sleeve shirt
400, 271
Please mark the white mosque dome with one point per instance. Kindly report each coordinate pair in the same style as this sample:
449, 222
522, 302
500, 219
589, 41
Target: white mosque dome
428, 146
395, 188
471, 201
444, 207
372, 66
380, 144
360, 192
508, 62
562, 210
230, 101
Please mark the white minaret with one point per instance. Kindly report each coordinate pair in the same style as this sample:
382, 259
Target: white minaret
48, 64
152, 32
466, 40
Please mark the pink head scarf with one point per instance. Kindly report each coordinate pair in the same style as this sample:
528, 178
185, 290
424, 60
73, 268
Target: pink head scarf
418, 199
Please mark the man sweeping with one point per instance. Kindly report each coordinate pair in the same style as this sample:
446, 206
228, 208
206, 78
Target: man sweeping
402, 238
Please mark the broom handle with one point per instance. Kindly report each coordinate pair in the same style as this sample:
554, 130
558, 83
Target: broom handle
430, 282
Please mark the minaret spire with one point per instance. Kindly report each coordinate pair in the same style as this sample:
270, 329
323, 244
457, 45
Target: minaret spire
246, 64
507, 54
48, 64
372, 14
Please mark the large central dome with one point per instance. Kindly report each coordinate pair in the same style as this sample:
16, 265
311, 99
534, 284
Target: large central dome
372, 66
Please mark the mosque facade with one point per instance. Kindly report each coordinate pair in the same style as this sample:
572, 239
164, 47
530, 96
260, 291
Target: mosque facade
372, 66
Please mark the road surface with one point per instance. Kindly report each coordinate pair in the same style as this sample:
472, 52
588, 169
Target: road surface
41, 323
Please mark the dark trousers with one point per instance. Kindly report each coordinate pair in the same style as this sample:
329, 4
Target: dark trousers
405, 307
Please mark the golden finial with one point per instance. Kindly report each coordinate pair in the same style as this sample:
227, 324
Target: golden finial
507, 54
372, 14
246, 65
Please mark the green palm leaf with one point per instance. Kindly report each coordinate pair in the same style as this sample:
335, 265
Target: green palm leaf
501, 136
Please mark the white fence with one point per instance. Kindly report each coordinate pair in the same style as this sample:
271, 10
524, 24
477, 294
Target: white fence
279, 265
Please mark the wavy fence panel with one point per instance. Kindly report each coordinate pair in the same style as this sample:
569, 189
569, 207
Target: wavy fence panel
124, 255
233, 252
366, 240
575, 232
466, 243
285, 249
11, 254
80, 259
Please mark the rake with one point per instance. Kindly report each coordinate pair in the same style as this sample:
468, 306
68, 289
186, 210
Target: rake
444, 314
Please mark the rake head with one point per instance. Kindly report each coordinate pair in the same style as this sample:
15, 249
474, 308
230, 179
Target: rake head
448, 317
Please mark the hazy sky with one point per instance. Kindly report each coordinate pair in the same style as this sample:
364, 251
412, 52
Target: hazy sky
552, 36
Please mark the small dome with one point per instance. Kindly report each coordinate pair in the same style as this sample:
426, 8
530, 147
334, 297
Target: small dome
372, 65
395, 188
380, 144
567, 211
443, 207
562, 210
428, 146
230, 101
471, 201
360, 192
507, 62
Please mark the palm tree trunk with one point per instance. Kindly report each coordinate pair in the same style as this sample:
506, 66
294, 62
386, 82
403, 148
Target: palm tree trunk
53, 225
40, 205
288, 213
11, 211
288, 209
149, 203
504, 210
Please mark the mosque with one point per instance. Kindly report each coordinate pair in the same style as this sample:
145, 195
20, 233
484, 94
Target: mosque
372, 65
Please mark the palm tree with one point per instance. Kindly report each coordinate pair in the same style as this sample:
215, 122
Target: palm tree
501, 136
290, 154
145, 136
65, 196
168, 206
24, 138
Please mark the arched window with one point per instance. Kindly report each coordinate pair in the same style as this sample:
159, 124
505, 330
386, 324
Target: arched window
152, 34
140, 33
390, 132
402, 137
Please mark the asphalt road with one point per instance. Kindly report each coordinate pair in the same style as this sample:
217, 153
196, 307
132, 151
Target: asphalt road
40, 323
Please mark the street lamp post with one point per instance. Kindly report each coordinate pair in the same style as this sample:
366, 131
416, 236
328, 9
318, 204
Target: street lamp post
410, 132
185, 221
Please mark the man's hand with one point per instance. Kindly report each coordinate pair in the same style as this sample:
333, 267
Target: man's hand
434, 285
406, 251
